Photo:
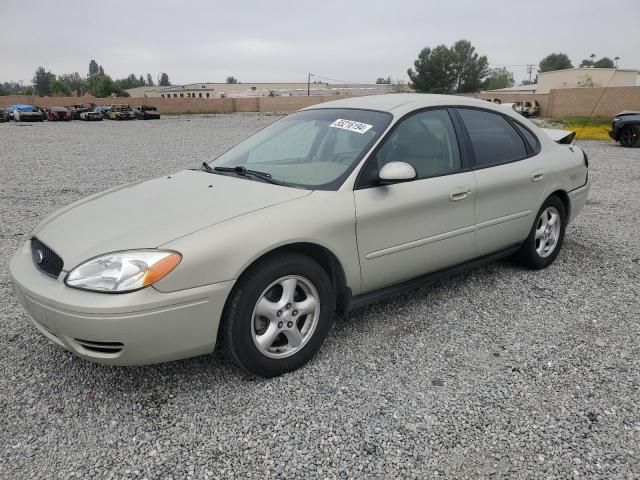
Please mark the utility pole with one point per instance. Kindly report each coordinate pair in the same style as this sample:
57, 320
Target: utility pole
530, 71
309, 84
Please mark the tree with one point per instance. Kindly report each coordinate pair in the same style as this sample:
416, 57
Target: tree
94, 68
433, 71
60, 88
383, 81
103, 86
42, 81
554, 61
100, 70
604, 62
75, 82
468, 68
164, 80
499, 78
448, 70
232, 79
150, 80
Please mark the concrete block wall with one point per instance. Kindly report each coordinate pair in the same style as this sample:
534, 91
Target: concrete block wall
603, 102
183, 105
558, 103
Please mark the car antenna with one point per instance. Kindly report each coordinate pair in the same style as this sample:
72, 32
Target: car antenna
590, 116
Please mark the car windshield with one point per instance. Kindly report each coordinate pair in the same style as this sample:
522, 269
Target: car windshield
315, 149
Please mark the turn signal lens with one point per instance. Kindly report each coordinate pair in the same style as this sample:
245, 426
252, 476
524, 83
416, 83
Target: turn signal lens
160, 269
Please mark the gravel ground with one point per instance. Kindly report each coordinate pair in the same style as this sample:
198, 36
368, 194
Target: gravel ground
499, 372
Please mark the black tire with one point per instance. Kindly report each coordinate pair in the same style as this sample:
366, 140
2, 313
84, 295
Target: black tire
630, 136
528, 255
238, 326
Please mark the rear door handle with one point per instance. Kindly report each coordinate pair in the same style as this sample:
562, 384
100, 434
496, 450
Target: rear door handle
459, 193
537, 175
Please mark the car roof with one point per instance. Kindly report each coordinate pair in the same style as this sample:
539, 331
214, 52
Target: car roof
400, 103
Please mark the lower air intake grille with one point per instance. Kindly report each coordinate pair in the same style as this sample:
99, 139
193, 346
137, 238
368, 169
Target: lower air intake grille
46, 259
100, 347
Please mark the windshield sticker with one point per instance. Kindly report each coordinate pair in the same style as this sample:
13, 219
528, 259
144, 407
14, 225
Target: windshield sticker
351, 125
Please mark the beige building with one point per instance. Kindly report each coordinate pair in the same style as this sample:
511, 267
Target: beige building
586, 77
239, 90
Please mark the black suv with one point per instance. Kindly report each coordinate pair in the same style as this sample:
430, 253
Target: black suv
626, 129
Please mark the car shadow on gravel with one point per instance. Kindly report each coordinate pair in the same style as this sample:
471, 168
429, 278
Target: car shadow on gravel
394, 317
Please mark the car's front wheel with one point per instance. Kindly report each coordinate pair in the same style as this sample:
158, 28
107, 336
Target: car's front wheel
630, 136
278, 315
545, 239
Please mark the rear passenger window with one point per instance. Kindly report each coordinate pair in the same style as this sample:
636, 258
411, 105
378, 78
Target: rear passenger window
493, 139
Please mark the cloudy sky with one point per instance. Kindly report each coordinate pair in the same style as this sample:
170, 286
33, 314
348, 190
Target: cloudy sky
277, 40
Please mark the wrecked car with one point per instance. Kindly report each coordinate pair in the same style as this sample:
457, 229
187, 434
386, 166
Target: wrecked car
120, 112
145, 112
25, 113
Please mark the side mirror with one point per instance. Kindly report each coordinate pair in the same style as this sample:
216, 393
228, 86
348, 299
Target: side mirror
395, 172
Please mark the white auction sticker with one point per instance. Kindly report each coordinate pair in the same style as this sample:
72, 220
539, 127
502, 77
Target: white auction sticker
351, 125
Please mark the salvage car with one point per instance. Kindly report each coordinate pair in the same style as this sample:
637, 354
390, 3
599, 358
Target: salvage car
625, 129
103, 109
327, 209
144, 112
528, 108
58, 114
92, 116
25, 113
120, 112
4, 115
78, 110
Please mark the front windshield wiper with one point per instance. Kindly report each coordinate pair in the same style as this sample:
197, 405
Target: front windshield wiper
242, 171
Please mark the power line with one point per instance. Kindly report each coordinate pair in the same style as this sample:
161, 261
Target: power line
332, 79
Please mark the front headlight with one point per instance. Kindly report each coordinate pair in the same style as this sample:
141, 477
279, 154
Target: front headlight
120, 272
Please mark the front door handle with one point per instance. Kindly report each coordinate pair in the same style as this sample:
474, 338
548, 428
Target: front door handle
459, 193
537, 175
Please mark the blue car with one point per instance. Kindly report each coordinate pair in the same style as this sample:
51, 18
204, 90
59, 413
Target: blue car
25, 113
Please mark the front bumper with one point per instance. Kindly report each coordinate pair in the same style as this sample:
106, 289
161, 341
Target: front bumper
614, 134
136, 328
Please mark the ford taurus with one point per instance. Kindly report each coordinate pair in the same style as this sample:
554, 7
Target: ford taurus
327, 209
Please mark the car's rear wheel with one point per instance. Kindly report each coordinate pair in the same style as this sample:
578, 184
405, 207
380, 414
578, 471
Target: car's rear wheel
630, 136
545, 239
278, 315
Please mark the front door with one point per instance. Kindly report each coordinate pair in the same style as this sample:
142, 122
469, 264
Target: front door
408, 229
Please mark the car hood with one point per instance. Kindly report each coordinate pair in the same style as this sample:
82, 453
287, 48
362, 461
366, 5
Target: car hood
150, 213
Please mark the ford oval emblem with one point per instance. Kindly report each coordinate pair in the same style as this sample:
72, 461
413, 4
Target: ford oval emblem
39, 256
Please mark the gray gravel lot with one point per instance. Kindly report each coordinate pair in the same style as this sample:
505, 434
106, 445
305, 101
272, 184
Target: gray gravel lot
498, 372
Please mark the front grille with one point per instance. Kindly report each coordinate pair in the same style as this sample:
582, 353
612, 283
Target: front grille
45, 259
112, 348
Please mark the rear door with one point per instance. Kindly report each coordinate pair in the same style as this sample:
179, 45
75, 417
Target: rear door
509, 177
408, 229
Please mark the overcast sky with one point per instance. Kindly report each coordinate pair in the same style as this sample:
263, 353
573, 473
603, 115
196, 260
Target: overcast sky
276, 41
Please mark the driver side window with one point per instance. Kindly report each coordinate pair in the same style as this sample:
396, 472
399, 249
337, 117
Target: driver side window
427, 141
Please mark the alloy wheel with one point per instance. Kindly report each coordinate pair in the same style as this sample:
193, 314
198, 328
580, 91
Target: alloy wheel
285, 316
548, 231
